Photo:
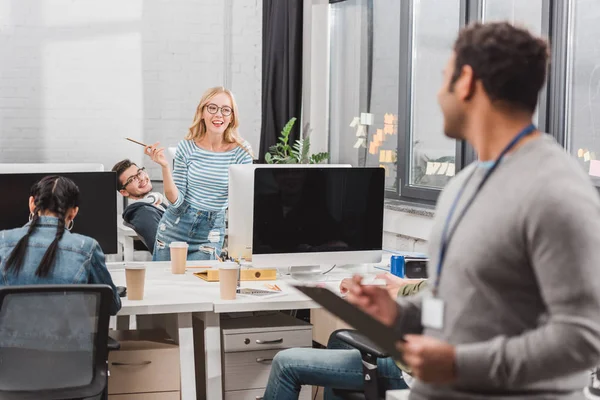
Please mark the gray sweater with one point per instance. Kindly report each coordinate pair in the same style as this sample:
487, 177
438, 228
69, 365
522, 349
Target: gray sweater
521, 280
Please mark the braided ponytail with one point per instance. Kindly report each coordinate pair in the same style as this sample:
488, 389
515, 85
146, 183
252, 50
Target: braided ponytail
49, 256
16, 257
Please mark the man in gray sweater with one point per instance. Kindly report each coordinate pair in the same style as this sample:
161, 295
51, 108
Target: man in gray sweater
513, 308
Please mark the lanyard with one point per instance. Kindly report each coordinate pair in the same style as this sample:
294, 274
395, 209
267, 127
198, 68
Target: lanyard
446, 235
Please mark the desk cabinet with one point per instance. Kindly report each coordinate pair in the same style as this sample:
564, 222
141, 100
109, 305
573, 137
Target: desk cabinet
249, 345
146, 367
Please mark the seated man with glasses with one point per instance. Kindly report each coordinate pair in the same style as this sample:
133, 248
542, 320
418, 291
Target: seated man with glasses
145, 208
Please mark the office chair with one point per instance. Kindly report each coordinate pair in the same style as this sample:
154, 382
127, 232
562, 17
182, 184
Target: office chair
54, 341
369, 352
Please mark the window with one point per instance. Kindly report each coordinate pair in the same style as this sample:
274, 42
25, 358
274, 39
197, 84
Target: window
432, 155
524, 13
583, 85
386, 62
364, 82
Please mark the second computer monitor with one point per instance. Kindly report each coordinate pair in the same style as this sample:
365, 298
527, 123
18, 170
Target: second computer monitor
311, 215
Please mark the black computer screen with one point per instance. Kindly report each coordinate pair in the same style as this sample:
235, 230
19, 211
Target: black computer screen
312, 209
97, 215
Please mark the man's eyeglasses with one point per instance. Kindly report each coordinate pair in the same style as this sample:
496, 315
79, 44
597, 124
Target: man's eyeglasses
141, 173
213, 109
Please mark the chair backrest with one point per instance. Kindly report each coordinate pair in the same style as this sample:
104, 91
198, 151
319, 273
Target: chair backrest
53, 341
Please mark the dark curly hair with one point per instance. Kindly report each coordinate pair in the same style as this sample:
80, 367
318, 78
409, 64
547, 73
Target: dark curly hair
510, 62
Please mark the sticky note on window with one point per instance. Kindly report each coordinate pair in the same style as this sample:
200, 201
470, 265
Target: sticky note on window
595, 168
586, 156
388, 129
432, 168
373, 148
389, 157
443, 169
382, 156
388, 119
451, 169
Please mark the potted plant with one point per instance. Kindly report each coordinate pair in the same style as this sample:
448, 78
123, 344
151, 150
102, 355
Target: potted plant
298, 153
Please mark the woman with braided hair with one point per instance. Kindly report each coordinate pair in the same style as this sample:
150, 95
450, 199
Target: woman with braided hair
44, 251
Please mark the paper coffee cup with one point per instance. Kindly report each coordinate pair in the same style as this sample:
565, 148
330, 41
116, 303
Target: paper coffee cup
135, 279
178, 257
228, 278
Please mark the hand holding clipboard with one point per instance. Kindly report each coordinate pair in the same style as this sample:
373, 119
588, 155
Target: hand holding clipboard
430, 359
380, 334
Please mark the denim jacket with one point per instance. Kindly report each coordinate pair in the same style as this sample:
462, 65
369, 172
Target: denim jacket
79, 259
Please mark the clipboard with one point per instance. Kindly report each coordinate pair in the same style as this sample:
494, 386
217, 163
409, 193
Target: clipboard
380, 334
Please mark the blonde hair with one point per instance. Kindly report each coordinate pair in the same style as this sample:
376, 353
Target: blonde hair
198, 129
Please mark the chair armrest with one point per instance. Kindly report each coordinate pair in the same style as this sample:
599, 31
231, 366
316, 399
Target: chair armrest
358, 341
113, 344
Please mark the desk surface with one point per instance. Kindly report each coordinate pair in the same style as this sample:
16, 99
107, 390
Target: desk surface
168, 293
164, 292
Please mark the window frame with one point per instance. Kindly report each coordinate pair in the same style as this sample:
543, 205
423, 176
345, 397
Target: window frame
553, 98
464, 154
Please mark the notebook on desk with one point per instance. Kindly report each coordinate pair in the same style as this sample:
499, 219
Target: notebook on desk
380, 334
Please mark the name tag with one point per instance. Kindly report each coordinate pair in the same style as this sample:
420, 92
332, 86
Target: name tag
432, 313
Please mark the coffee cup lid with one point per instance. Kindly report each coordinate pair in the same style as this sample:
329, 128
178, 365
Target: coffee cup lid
178, 244
135, 266
228, 265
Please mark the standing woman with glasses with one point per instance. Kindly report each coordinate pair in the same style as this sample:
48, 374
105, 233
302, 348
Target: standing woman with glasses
198, 189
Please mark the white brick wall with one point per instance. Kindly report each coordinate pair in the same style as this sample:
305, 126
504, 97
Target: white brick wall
76, 77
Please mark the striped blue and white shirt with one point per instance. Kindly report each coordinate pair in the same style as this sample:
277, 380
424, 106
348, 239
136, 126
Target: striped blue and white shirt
202, 176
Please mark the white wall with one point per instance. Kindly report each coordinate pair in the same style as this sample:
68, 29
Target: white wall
76, 77
403, 231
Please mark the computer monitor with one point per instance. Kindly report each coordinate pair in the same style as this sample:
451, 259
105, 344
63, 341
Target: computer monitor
241, 205
97, 215
315, 215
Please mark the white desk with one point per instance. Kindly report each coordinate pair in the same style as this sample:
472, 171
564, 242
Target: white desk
181, 295
178, 296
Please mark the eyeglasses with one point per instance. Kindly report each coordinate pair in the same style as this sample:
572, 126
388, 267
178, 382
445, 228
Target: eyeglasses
213, 109
141, 173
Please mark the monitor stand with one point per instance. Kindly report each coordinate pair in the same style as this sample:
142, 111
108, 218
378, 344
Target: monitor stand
306, 273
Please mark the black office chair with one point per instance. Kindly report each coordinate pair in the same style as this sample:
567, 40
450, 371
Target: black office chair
54, 341
373, 389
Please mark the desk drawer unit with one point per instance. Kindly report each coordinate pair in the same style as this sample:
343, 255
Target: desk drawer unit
249, 345
250, 368
284, 338
147, 363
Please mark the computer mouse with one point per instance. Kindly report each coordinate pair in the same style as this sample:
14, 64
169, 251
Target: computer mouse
122, 291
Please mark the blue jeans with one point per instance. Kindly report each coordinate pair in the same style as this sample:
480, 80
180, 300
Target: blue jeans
203, 231
339, 366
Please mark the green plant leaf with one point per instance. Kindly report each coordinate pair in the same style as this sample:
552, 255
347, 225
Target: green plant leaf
319, 158
288, 127
269, 158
